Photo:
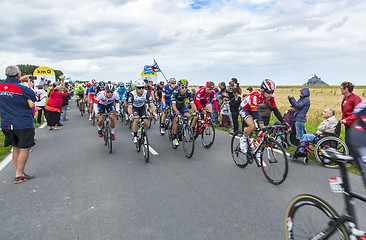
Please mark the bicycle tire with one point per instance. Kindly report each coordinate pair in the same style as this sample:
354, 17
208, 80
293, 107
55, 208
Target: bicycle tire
93, 119
329, 142
149, 120
106, 133
274, 162
162, 134
138, 144
81, 109
240, 158
109, 140
208, 135
145, 145
188, 141
307, 216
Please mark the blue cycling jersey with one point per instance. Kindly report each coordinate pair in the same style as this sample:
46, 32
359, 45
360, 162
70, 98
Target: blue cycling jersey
121, 92
167, 92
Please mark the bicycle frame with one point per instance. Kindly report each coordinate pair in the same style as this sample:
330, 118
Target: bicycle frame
203, 123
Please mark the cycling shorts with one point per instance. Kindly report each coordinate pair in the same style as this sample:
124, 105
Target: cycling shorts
81, 96
139, 111
91, 98
110, 108
168, 102
182, 108
204, 103
245, 114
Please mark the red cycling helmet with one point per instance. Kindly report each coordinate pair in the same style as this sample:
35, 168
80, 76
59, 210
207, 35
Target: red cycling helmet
88, 84
268, 85
210, 85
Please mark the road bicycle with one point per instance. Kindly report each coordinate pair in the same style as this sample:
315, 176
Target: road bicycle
184, 135
82, 107
266, 152
142, 139
310, 217
93, 118
106, 130
205, 128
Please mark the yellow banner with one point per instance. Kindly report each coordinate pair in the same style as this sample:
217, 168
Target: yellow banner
43, 71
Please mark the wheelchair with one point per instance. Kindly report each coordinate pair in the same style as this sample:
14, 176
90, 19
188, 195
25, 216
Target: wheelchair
324, 141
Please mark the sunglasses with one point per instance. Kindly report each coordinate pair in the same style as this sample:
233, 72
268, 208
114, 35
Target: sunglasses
172, 83
140, 87
269, 92
109, 91
183, 87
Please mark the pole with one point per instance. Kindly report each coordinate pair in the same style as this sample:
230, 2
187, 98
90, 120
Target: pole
161, 72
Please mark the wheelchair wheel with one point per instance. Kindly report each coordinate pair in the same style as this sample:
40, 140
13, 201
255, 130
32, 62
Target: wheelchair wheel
329, 142
292, 138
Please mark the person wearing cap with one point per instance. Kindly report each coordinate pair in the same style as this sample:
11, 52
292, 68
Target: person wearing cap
301, 109
17, 119
43, 81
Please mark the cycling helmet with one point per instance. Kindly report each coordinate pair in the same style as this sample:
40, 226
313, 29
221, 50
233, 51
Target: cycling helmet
110, 87
182, 83
172, 80
88, 84
268, 85
139, 83
121, 84
93, 81
101, 84
162, 82
146, 80
210, 85
80, 85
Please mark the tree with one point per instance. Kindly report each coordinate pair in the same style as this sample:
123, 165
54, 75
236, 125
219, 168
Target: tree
27, 69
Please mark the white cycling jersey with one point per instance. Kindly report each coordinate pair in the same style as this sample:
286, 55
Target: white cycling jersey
104, 100
139, 101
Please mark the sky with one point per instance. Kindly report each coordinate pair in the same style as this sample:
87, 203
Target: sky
287, 41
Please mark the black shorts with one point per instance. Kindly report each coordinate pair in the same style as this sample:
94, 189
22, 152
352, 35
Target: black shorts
245, 114
139, 111
23, 138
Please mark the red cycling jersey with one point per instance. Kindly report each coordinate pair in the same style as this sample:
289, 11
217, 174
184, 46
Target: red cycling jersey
201, 98
253, 99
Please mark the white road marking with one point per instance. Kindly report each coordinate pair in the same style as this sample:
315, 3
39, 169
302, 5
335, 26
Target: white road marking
43, 125
153, 152
5, 162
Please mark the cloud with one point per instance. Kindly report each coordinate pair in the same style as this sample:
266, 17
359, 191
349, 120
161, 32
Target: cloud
204, 40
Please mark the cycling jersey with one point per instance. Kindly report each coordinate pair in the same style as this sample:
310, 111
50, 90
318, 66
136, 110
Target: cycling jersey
253, 99
92, 94
159, 90
103, 100
138, 101
121, 92
167, 92
178, 98
80, 91
201, 99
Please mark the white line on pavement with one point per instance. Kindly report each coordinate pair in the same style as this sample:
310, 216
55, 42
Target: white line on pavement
43, 125
153, 152
5, 162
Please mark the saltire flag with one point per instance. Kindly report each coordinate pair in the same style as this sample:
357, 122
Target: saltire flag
152, 69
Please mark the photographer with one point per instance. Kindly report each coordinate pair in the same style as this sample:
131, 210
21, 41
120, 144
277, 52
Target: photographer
17, 119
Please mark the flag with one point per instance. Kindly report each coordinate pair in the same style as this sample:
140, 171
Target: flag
148, 69
155, 67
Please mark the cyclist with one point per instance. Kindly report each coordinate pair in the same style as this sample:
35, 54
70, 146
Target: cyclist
107, 101
100, 87
136, 106
357, 138
159, 90
91, 98
248, 109
121, 90
79, 93
165, 100
179, 107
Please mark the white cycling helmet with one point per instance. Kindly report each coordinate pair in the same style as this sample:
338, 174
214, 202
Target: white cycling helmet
139, 83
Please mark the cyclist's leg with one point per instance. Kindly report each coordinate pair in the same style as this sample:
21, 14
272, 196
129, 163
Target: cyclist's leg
357, 147
112, 116
248, 130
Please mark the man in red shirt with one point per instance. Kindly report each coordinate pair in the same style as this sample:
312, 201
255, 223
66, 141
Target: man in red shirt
349, 102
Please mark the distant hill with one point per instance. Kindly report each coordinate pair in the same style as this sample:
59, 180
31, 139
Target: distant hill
316, 81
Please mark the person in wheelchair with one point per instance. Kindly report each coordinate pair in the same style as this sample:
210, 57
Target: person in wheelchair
327, 127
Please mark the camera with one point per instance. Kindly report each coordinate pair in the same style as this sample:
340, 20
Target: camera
32, 78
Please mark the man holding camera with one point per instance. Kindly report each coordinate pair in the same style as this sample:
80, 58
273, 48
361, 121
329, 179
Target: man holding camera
17, 119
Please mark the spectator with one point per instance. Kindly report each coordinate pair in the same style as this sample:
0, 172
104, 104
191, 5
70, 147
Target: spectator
43, 81
225, 113
41, 102
53, 108
223, 91
328, 125
17, 119
235, 81
65, 104
289, 118
215, 115
265, 112
250, 89
349, 102
230, 93
235, 101
302, 107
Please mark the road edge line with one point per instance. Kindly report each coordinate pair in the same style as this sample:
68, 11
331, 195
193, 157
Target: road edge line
5, 161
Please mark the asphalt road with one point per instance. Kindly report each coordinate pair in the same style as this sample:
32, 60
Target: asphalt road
83, 192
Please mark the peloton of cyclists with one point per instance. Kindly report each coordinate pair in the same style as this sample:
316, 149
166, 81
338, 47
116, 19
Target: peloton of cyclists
179, 107
166, 100
107, 100
137, 107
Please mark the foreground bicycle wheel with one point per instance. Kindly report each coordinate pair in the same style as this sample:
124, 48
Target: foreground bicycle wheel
329, 142
145, 146
274, 162
188, 141
239, 157
208, 135
307, 216
109, 140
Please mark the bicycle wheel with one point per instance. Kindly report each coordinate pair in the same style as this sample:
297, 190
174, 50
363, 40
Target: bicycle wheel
188, 141
208, 135
307, 216
145, 145
149, 120
274, 162
81, 109
162, 134
329, 142
109, 140
105, 134
240, 158
139, 141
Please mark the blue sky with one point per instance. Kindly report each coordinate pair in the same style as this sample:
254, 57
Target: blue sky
287, 41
